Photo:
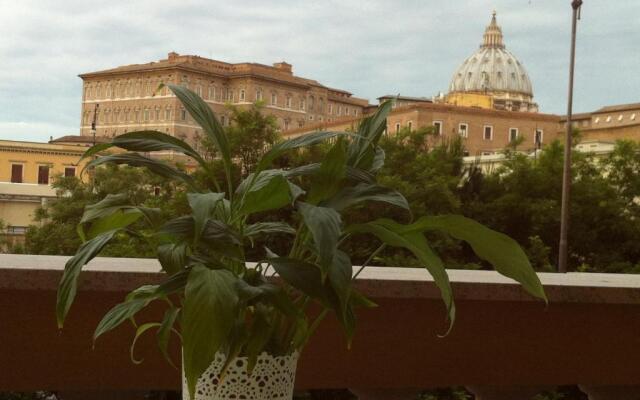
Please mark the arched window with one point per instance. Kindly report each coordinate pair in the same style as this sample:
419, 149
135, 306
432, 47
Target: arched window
274, 99
259, 94
167, 114
241, 94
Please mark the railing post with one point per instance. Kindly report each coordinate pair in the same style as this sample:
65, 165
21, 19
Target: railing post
611, 392
386, 394
483, 392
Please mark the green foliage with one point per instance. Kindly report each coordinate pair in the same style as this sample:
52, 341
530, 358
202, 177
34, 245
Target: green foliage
522, 199
228, 306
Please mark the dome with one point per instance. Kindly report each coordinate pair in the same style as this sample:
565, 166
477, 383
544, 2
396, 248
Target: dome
492, 69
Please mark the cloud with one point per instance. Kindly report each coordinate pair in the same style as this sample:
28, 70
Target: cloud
369, 48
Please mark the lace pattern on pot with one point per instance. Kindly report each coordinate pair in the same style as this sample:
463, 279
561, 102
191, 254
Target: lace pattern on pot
271, 379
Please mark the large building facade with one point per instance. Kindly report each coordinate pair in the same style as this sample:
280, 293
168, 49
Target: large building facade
27, 170
126, 98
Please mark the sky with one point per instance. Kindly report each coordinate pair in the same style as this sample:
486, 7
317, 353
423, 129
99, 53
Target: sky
368, 47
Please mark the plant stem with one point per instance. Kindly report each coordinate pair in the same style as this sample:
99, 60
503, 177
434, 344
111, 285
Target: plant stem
375, 253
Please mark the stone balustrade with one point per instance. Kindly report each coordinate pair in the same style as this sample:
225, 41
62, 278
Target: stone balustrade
504, 344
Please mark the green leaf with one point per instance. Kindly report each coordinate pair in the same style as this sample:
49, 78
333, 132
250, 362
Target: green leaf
120, 313
301, 141
328, 179
173, 256
260, 332
164, 332
159, 168
139, 332
504, 253
351, 173
363, 149
118, 220
340, 272
95, 149
266, 194
325, 226
394, 234
139, 299
302, 275
69, 283
105, 207
208, 315
148, 141
203, 115
268, 228
202, 205
353, 195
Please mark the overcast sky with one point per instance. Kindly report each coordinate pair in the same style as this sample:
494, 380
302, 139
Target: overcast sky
367, 47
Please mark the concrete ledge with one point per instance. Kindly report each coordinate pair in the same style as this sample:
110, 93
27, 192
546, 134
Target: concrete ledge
29, 272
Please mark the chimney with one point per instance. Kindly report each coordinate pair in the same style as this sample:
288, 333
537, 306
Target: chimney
173, 55
284, 67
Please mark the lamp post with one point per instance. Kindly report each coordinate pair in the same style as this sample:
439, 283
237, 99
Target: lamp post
566, 174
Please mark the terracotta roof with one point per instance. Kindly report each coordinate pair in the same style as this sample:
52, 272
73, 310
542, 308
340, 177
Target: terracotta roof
409, 98
619, 107
478, 111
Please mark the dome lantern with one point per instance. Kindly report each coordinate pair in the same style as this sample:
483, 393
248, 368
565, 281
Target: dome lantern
493, 35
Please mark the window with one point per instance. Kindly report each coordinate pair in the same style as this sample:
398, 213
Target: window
43, 174
16, 173
167, 114
274, 99
212, 92
330, 108
538, 137
241, 94
258, 94
410, 125
302, 104
633, 116
199, 90
339, 110
223, 120
286, 124
355, 113
310, 117
183, 114
486, 153
463, 129
488, 132
288, 102
609, 118
597, 120
157, 114
398, 127
347, 110
156, 191
620, 117
69, 171
146, 114
438, 127
513, 134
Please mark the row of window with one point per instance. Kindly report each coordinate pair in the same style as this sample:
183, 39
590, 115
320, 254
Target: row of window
212, 93
487, 131
123, 89
632, 117
17, 173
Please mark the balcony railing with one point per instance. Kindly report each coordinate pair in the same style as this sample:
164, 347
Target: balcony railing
504, 345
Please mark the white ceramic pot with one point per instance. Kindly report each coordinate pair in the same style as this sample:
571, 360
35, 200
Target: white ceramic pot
272, 378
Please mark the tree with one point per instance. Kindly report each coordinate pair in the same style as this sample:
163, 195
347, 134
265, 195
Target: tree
55, 232
250, 133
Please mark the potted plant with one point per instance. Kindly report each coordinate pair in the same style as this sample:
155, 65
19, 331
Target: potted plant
236, 320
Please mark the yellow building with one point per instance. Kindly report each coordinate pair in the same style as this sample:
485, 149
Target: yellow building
27, 170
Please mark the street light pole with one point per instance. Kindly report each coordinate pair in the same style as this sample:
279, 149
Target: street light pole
566, 174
